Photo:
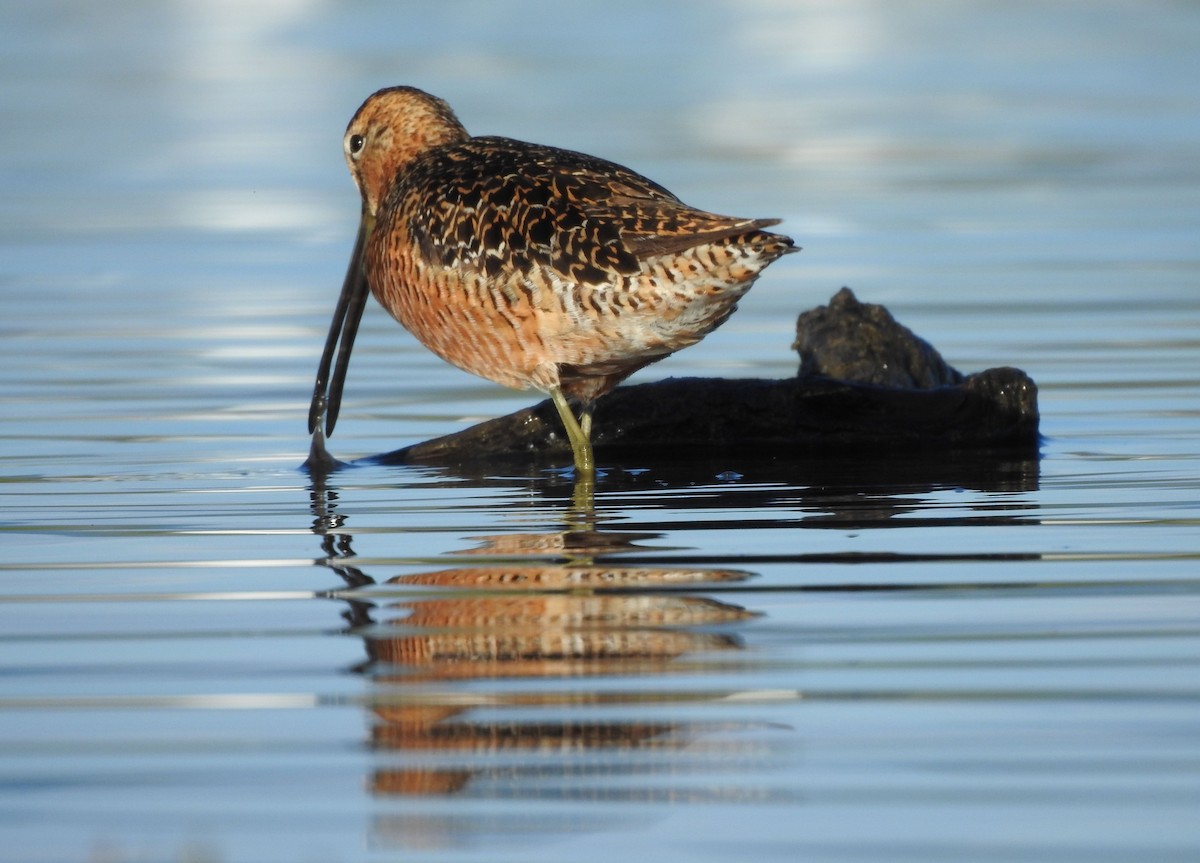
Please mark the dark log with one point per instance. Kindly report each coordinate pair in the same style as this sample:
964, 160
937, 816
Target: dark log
862, 343
868, 385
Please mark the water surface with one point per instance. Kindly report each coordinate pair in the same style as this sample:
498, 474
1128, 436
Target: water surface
208, 654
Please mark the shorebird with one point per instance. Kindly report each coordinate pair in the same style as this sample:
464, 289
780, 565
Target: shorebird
530, 266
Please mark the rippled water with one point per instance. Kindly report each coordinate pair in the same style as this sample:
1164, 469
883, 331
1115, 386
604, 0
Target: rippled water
207, 655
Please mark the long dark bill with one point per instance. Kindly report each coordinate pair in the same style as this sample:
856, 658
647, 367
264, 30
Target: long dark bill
327, 393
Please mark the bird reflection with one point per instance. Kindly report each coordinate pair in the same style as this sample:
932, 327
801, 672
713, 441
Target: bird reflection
486, 679
548, 635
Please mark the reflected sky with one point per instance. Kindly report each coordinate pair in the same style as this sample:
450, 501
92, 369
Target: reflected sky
231, 120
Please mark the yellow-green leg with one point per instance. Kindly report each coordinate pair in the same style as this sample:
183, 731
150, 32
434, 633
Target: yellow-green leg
579, 436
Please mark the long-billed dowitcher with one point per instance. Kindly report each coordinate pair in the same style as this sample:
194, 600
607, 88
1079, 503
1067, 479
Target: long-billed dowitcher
530, 266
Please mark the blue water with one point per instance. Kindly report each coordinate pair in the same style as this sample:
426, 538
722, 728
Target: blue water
204, 655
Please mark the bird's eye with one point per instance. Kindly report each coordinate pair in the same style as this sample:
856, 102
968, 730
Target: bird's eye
354, 145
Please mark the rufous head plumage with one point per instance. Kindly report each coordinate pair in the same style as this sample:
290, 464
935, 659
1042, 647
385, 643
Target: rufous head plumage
391, 129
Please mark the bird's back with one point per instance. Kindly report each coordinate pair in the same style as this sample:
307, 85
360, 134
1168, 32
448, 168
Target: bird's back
528, 264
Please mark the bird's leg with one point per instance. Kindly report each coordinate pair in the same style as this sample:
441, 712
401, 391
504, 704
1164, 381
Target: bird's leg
581, 445
584, 497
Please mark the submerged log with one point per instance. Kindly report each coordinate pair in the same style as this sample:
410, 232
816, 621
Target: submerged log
866, 385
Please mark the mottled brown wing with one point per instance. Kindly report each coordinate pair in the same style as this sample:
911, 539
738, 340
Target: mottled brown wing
506, 206
653, 227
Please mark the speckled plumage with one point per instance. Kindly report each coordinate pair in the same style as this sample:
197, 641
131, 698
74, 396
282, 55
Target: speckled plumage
534, 266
